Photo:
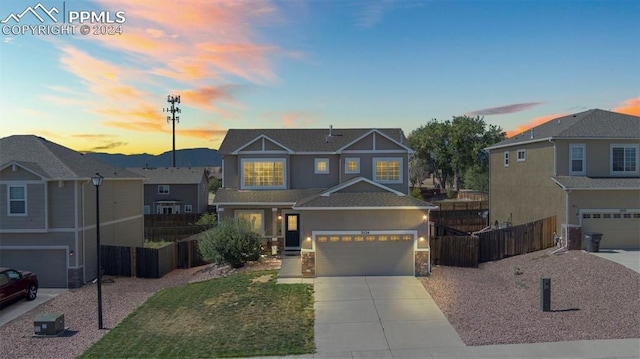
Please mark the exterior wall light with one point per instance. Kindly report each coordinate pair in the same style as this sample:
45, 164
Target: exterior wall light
421, 239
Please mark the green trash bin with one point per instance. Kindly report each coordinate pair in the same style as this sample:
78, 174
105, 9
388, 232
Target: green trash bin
592, 240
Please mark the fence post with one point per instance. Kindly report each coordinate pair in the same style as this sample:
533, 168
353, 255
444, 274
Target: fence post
132, 251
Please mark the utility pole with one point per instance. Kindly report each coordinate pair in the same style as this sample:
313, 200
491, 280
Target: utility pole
173, 99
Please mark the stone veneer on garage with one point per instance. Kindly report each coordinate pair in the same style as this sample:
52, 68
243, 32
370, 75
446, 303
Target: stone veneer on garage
422, 263
308, 264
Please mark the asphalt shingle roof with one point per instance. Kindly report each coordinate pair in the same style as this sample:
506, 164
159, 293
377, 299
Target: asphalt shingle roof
594, 123
582, 182
363, 199
54, 161
170, 175
305, 140
235, 196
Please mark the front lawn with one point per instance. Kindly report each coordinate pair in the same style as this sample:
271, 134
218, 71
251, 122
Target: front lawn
245, 314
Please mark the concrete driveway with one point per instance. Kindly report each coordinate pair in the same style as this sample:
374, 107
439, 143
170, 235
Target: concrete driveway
381, 317
629, 258
14, 310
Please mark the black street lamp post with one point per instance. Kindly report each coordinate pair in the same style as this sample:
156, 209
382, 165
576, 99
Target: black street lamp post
97, 181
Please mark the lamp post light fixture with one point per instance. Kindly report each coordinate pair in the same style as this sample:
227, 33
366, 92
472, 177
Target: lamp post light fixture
97, 181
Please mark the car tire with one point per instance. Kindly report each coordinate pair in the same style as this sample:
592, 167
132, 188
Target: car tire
32, 292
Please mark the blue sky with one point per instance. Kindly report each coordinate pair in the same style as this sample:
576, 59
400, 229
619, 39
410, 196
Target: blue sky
277, 64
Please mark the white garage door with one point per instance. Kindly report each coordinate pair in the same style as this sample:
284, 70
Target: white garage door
50, 265
377, 254
619, 230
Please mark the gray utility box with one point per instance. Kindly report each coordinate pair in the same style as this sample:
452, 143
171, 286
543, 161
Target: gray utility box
48, 324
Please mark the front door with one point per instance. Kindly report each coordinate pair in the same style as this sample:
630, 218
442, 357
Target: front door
292, 231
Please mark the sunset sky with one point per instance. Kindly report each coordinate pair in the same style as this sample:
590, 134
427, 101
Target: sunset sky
297, 63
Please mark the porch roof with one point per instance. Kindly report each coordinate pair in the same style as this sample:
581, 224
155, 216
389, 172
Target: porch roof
363, 200
597, 183
236, 197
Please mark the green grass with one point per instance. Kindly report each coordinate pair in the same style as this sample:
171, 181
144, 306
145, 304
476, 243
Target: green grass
246, 314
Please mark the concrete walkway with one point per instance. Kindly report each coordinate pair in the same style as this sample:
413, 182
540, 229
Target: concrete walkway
627, 257
395, 317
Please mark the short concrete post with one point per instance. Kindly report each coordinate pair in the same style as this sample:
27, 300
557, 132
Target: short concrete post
545, 294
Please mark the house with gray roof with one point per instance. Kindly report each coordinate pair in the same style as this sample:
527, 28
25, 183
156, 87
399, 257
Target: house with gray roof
48, 210
582, 168
339, 197
174, 190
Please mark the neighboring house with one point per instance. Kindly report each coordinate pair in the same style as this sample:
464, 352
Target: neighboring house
48, 210
582, 168
174, 190
339, 196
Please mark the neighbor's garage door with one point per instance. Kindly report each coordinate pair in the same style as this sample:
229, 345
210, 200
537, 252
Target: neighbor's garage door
619, 230
50, 265
359, 255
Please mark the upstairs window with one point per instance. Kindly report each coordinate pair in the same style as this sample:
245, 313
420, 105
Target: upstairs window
577, 158
163, 189
321, 166
352, 165
387, 170
263, 174
17, 200
522, 155
506, 158
624, 159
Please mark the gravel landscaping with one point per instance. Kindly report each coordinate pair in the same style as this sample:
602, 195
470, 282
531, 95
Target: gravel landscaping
120, 297
499, 302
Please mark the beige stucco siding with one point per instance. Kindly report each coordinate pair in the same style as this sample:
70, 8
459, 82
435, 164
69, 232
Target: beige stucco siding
523, 191
598, 156
601, 199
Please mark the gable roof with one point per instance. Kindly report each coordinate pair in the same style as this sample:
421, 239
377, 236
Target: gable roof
591, 124
335, 199
53, 161
307, 140
170, 175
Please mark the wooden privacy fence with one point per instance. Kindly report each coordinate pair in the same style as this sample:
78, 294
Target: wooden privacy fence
169, 234
450, 247
150, 262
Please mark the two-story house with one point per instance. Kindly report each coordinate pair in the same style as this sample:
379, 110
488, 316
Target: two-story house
174, 190
48, 210
582, 168
340, 196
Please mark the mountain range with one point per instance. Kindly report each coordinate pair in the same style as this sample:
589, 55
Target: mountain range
192, 157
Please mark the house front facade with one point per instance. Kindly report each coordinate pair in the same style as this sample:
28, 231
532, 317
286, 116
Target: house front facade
174, 190
582, 168
340, 197
48, 210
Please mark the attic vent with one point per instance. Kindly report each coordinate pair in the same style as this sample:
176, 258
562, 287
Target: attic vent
532, 133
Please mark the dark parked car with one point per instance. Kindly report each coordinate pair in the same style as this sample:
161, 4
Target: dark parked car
15, 285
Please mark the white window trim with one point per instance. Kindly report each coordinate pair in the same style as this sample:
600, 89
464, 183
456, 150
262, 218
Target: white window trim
346, 165
162, 186
584, 159
387, 159
188, 208
623, 173
253, 211
506, 158
284, 170
524, 155
26, 210
315, 166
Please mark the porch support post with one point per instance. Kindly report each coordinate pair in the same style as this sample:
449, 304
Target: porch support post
274, 222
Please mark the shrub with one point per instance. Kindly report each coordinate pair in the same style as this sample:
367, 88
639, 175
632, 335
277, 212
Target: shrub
415, 193
207, 219
231, 242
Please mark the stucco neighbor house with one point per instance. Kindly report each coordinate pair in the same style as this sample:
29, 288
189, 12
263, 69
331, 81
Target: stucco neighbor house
340, 196
174, 190
582, 168
48, 210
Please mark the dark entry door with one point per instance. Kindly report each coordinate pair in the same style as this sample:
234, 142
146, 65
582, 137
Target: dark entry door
292, 231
